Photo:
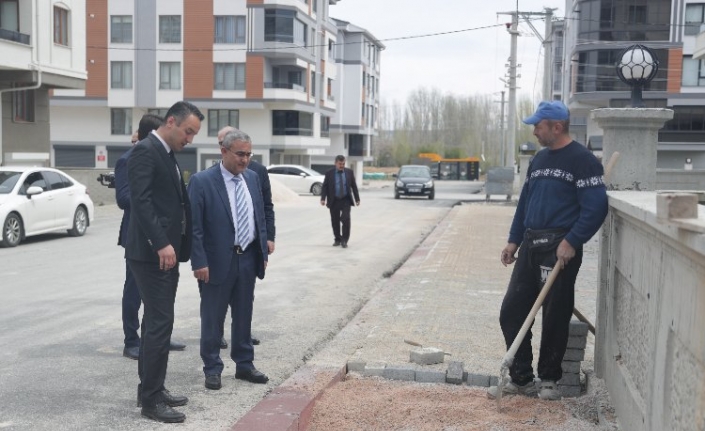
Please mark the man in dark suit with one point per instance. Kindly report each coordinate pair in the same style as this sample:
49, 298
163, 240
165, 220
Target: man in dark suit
131, 300
339, 194
229, 252
158, 238
266, 189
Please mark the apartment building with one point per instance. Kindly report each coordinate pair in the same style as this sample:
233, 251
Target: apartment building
593, 35
268, 67
43, 47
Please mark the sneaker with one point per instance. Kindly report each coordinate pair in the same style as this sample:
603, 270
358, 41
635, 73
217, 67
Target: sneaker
548, 390
511, 388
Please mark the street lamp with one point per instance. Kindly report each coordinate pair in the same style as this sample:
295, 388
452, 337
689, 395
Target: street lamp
636, 67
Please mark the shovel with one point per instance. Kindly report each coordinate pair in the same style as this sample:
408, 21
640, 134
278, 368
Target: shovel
509, 356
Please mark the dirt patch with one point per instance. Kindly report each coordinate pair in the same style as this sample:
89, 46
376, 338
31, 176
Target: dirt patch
372, 403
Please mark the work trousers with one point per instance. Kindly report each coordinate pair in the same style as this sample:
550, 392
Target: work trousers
530, 272
340, 215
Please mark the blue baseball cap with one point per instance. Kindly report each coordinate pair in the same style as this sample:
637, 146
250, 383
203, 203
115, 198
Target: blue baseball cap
554, 110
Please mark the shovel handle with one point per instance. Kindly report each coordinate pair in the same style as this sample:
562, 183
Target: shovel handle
413, 343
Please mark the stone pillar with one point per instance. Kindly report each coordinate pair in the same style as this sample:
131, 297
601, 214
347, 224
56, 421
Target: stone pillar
633, 132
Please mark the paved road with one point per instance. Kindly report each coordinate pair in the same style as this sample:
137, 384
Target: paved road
61, 339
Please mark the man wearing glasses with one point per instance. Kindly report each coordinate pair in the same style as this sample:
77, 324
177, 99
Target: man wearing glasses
229, 252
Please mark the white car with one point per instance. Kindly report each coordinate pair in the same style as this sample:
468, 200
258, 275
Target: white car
37, 200
298, 178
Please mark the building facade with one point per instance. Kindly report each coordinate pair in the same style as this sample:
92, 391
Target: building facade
43, 48
593, 35
268, 67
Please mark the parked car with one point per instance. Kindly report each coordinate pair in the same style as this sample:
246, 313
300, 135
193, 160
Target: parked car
414, 180
36, 200
298, 178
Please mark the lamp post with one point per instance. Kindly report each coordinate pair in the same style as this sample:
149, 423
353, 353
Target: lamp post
637, 66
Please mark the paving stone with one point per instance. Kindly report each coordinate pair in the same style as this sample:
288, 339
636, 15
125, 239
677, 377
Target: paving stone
570, 391
374, 369
454, 374
494, 380
356, 366
426, 356
430, 376
577, 342
478, 380
399, 373
577, 328
570, 379
574, 355
570, 366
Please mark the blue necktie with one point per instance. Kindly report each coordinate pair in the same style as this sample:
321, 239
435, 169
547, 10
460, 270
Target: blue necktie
242, 231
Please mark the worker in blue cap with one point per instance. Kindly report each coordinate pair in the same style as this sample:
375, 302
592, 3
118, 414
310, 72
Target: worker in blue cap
563, 203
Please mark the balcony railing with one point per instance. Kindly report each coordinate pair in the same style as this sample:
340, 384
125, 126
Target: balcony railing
14, 36
331, 98
285, 85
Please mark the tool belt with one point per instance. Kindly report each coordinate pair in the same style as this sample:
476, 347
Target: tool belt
543, 240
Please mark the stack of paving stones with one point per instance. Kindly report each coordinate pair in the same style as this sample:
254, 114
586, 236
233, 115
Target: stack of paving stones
569, 385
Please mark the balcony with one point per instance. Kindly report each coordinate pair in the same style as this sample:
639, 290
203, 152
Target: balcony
699, 51
285, 85
14, 36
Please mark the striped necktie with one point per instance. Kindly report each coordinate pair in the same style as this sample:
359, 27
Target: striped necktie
242, 231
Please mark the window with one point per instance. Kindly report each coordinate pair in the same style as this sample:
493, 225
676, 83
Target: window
56, 180
625, 20
229, 76
693, 72
170, 75
9, 15
170, 29
694, 17
120, 74
61, 26
686, 119
120, 121
282, 26
23, 106
121, 29
292, 123
229, 29
325, 126
637, 14
219, 118
161, 112
313, 84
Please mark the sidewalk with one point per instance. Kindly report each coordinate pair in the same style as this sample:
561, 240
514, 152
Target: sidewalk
446, 295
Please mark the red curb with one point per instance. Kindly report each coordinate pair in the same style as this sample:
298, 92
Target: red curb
290, 406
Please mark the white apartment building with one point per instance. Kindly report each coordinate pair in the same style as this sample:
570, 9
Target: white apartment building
43, 47
273, 68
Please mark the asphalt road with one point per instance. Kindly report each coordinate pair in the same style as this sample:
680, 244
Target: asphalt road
61, 340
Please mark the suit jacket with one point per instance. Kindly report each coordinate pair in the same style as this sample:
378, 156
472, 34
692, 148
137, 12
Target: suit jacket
328, 193
159, 204
214, 227
263, 175
122, 195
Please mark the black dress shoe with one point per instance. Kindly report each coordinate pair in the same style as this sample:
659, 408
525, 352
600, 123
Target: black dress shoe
255, 341
344, 244
253, 376
336, 243
223, 343
167, 397
163, 413
131, 352
174, 346
213, 382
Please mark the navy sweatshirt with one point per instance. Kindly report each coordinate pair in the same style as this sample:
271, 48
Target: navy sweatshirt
564, 189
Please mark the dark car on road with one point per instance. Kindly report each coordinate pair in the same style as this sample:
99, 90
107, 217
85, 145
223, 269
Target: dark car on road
414, 180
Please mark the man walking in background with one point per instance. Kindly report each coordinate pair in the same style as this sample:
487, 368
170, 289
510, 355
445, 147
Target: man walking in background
131, 300
339, 195
158, 238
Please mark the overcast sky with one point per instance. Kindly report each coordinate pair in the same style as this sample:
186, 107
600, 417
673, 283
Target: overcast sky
463, 63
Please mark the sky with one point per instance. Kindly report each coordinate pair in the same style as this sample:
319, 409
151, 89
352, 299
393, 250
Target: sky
463, 63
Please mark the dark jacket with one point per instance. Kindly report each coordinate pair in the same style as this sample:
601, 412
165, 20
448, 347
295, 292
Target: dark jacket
159, 205
122, 195
263, 175
328, 192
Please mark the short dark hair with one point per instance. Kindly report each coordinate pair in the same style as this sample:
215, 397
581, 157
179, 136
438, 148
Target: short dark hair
148, 123
340, 158
181, 110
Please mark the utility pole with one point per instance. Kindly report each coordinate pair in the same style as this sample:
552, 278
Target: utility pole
503, 142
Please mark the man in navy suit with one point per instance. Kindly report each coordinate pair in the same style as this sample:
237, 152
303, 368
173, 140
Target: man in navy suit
339, 194
158, 238
131, 300
229, 252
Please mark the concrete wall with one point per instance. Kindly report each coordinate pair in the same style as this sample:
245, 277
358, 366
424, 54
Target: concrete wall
650, 348
678, 179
